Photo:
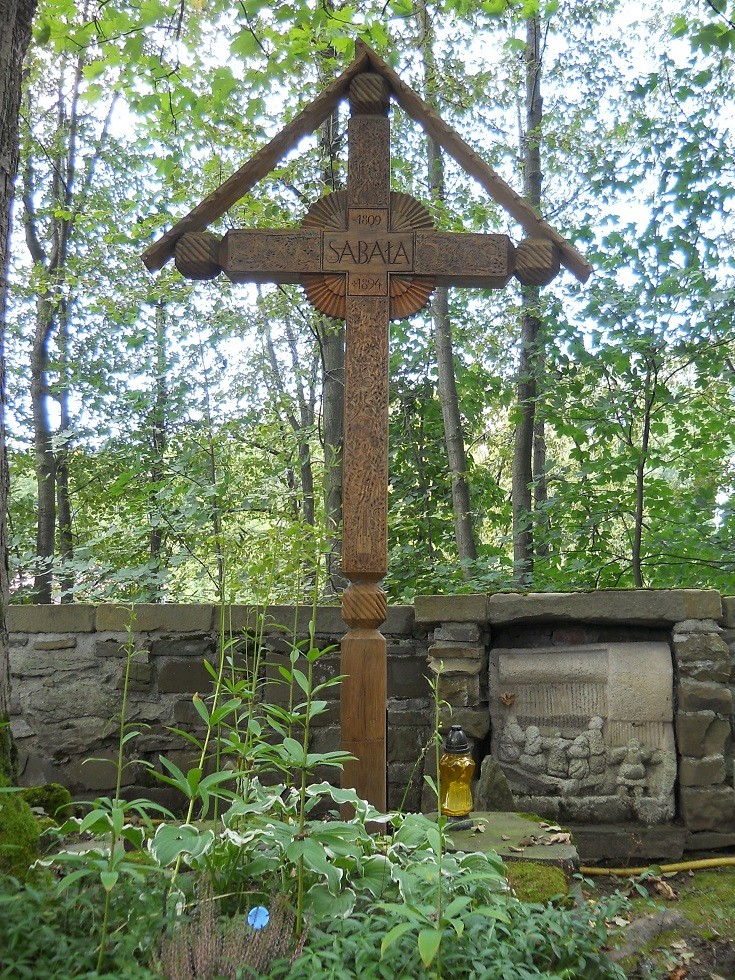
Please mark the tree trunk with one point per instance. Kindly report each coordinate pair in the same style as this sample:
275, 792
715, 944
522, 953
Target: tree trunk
464, 530
16, 17
159, 440
63, 503
531, 345
43, 449
331, 334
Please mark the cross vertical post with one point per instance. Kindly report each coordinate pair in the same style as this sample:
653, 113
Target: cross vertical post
365, 488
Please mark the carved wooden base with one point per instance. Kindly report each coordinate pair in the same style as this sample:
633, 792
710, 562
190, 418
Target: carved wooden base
364, 695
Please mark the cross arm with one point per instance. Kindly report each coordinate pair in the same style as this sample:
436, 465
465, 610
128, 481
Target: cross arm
464, 259
270, 256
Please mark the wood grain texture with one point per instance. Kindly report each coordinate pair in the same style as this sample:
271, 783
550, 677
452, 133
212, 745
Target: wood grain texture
476, 167
464, 258
259, 166
269, 255
365, 486
368, 162
363, 705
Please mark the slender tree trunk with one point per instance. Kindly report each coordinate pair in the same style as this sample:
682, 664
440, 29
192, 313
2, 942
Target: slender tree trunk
43, 449
16, 17
464, 530
531, 344
63, 503
649, 394
159, 440
331, 335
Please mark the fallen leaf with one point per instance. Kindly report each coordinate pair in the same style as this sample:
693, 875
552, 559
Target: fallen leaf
559, 839
528, 841
551, 827
504, 837
679, 973
665, 890
507, 697
516, 850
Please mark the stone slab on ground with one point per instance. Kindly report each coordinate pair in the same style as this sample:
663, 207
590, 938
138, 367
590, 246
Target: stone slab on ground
508, 834
629, 845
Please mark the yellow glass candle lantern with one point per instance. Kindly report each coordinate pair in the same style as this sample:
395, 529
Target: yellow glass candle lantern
456, 767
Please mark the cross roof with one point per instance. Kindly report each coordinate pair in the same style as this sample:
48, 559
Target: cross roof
311, 117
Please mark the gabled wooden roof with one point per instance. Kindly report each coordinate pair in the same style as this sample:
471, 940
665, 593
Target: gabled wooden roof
310, 118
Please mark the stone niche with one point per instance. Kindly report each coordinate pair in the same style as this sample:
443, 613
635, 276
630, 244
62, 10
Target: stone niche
586, 732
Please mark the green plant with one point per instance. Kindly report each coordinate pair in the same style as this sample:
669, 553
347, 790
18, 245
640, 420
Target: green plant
47, 930
53, 798
109, 822
18, 826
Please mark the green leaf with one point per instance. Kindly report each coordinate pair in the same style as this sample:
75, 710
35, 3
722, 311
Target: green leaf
395, 934
109, 879
170, 841
429, 941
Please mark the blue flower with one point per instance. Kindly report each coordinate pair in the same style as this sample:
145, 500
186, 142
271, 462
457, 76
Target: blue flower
258, 917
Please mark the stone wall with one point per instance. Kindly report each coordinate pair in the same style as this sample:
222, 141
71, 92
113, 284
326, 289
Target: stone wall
67, 664
679, 768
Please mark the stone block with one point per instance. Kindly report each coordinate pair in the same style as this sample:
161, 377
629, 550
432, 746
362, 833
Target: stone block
196, 647
186, 714
450, 650
407, 676
446, 668
704, 670
704, 696
629, 844
413, 717
17, 640
457, 633
642, 607
701, 733
712, 808
728, 611
475, 722
107, 649
325, 739
405, 744
706, 771
710, 647
68, 617
60, 643
183, 676
138, 673
492, 792
450, 609
460, 691
697, 626
147, 617
30, 662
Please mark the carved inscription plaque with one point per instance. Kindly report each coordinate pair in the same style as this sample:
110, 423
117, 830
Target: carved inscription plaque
363, 252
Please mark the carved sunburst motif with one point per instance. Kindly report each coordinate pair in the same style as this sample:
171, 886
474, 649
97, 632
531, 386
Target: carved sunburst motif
328, 291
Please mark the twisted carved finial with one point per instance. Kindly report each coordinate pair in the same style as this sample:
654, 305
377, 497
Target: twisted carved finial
364, 606
369, 95
197, 255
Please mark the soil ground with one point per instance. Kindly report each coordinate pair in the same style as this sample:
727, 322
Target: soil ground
681, 927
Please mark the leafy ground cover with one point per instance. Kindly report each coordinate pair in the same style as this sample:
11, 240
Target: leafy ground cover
679, 925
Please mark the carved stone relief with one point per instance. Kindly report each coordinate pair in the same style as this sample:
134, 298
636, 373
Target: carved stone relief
585, 731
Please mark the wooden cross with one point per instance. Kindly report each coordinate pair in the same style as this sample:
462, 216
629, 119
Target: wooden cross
367, 255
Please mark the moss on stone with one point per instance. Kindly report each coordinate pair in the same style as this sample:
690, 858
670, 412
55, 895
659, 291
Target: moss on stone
18, 826
52, 798
535, 882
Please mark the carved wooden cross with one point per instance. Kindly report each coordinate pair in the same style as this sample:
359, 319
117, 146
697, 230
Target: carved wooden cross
367, 255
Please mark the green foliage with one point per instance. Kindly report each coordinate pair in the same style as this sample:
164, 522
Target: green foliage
54, 799
48, 930
18, 826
